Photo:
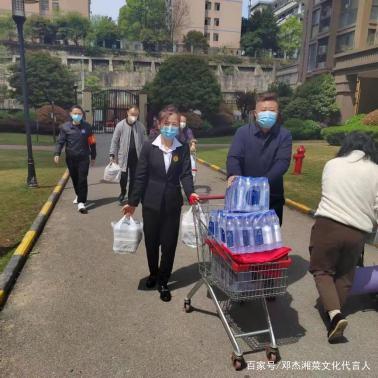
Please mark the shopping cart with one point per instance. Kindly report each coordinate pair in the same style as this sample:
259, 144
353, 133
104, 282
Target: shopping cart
237, 277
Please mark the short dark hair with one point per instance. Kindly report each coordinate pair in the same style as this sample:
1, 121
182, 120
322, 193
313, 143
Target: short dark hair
267, 96
166, 112
136, 107
362, 142
77, 107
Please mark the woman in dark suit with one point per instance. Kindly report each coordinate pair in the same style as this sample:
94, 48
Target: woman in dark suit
163, 163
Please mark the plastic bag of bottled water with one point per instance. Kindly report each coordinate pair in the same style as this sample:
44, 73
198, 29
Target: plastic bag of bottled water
127, 235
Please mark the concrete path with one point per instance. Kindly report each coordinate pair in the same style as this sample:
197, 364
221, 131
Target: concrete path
22, 147
78, 310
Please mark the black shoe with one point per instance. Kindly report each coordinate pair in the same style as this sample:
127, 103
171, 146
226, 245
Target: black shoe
337, 327
165, 294
151, 282
121, 198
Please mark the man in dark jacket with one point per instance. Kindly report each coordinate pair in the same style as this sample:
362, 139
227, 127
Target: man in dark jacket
80, 143
263, 149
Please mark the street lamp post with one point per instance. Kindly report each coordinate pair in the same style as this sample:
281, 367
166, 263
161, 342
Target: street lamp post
19, 17
75, 91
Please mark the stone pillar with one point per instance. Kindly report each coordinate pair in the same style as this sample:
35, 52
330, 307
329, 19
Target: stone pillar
153, 67
143, 108
90, 65
87, 105
111, 68
64, 60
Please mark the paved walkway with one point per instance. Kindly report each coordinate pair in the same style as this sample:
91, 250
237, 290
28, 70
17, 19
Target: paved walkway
78, 310
23, 147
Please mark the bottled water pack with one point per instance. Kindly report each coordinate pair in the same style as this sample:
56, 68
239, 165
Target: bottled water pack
248, 194
246, 232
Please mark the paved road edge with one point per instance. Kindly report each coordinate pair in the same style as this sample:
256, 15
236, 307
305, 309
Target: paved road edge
9, 276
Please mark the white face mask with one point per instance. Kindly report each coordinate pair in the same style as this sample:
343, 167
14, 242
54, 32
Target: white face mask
132, 119
182, 125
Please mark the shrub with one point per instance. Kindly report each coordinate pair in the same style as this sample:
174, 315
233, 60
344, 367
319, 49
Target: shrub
335, 135
45, 121
303, 130
221, 119
194, 121
206, 125
371, 119
12, 121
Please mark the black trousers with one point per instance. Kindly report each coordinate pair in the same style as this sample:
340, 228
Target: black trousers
79, 168
277, 204
131, 169
161, 230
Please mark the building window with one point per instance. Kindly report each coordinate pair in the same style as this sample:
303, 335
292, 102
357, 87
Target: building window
374, 11
215, 37
321, 57
216, 21
371, 39
315, 23
43, 7
208, 5
55, 5
207, 35
325, 17
344, 42
217, 6
311, 58
207, 21
348, 14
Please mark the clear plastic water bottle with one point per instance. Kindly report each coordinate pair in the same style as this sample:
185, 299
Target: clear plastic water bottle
222, 228
265, 194
258, 234
267, 231
248, 238
240, 190
276, 229
231, 233
212, 222
239, 225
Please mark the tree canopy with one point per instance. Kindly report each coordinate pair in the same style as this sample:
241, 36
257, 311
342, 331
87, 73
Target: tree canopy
246, 101
144, 21
196, 40
48, 80
260, 33
290, 36
188, 82
103, 31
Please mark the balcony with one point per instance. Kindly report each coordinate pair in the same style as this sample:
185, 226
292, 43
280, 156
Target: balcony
354, 60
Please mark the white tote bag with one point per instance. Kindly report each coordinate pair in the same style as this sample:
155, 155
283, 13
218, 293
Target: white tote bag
127, 235
112, 173
188, 231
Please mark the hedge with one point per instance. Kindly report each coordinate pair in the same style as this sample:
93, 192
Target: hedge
336, 134
303, 130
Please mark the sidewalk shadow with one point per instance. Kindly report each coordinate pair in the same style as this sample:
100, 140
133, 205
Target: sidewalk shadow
180, 278
298, 269
95, 204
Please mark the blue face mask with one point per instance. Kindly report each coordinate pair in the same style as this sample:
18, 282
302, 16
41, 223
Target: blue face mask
169, 132
76, 117
266, 120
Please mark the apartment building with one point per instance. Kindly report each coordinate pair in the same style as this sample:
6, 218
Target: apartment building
283, 9
219, 21
48, 7
341, 37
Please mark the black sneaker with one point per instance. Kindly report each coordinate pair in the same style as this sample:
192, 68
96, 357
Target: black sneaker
121, 198
151, 282
165, 294
337, 327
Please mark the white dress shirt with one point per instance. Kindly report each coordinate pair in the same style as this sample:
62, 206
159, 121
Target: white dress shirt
167, 151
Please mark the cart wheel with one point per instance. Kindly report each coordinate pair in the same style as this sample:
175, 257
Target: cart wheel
273, 355
187, 306
238, 362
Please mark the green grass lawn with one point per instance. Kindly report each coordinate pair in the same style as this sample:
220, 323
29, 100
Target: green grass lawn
215, 140
306, 188
19, 205
20, 139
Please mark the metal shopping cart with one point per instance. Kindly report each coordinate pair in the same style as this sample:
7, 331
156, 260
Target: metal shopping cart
238, 277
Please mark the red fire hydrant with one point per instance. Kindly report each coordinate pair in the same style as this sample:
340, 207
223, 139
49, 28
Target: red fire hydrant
298, 157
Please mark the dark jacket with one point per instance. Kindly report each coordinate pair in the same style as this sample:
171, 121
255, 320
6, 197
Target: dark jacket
79, 140
254, 154
153, 186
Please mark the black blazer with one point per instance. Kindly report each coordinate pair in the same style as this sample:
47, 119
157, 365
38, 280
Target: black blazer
153, 186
